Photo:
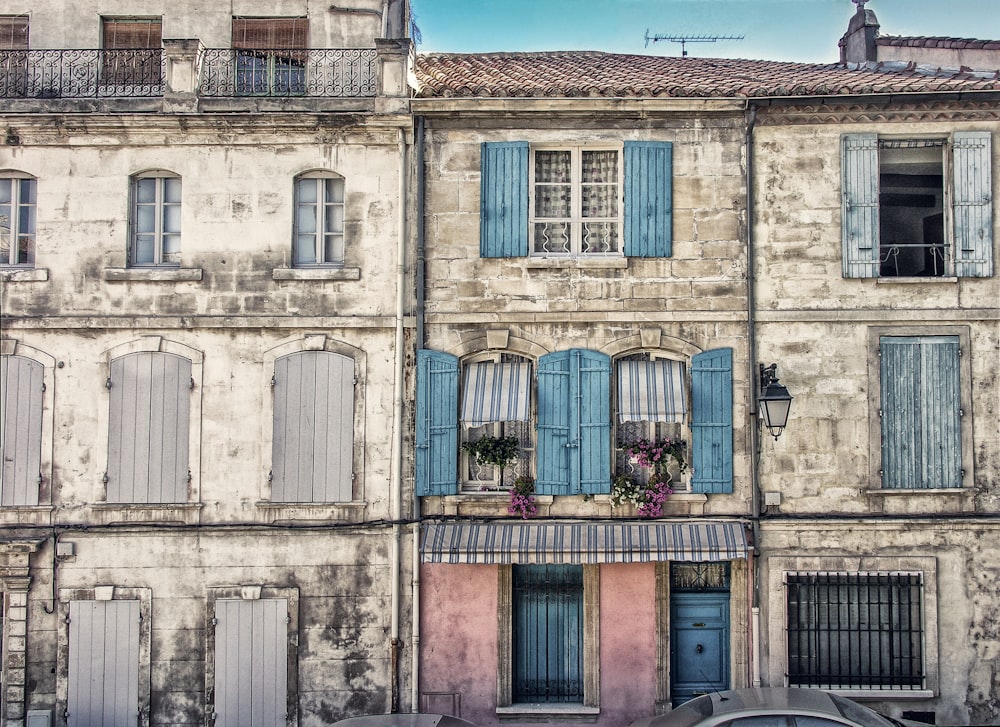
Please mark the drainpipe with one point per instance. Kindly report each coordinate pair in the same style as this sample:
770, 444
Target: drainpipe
755, 641
420, 293
396, 459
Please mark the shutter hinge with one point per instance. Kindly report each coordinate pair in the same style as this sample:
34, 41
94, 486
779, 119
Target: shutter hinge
215, 622
288, 618
274, 381
189, 476
40, 480
108, 383
105, 479
880, 475
962, 473
354, 476
191, 384
879, 413
270, 476
961, 413
43, 387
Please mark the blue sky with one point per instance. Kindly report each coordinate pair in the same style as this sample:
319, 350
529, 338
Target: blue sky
780, 30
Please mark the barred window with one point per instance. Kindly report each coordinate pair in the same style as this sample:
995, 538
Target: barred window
855, 630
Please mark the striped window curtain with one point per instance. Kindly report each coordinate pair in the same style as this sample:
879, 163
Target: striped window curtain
496, 392
651, 391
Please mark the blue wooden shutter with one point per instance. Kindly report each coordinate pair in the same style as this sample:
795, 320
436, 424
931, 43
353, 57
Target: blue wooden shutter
973, 208
21, 388
313, 443
103, 666
648, 198
437, 423
860, 214
574, 423
251, 662
503, 222
921, 412
712, 421
148, 428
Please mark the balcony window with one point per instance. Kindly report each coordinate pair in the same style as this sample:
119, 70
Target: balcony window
271, 55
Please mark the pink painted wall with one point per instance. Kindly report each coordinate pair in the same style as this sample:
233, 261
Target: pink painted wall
458, 638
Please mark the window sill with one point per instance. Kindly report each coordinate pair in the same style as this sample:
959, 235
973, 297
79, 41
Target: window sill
316, 274
546, 712
107, 513
894, 492
273, 512
24, 275
915, 281
576, 263
152, 275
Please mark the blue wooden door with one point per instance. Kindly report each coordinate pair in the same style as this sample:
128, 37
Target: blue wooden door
699, 644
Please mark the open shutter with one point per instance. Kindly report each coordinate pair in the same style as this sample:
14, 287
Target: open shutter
437, 423
148, 428
313, 441
21, 390
973, 212
574, 423
648, 198
712, 421
921, 412
860, 215
503, 225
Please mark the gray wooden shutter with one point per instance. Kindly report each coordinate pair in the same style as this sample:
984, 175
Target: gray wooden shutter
251, 662
860, 218
313, 443
21, 388
973, 208
103, 669
503, 222
148, 428
648, 198
921, 412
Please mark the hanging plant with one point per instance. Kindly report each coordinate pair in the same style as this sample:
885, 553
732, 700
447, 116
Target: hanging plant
522, 498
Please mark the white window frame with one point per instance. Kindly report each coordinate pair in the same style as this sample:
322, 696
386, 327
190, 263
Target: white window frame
576, 219
10, 232
161, 256
322, 213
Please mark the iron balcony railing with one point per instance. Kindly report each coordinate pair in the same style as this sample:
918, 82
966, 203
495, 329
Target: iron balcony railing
128, 73
321, 72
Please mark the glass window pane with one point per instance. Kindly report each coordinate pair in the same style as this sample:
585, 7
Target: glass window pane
334, 219
143, 252
172, 190
305, 250
145, 190
307, 190
553, 200
305, 218
171, 244
334, 190
334, 249
145, 218
599, 200
553, 166
5, 190
26, 220
27, 190
599, 166
25, 251
172, 218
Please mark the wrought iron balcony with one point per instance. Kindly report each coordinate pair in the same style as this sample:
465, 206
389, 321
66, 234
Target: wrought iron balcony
129, 73
319, 72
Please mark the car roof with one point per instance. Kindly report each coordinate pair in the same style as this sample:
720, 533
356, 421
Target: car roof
728, 703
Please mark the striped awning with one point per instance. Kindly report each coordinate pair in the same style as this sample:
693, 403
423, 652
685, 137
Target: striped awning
583, 543
651, 391
496, 392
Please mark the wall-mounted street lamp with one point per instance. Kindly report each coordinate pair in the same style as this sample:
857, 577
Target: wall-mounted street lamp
773, 401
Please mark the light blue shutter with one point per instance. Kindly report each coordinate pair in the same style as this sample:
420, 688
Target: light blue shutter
574, 423
648, 198
313, 443
860, 218
437, 423
712, 421
21, 388
251, 662
103, 668
921, 412
148, 428
973, 209
503, 222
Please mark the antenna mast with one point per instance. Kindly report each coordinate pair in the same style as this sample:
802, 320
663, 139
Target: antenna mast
685, 39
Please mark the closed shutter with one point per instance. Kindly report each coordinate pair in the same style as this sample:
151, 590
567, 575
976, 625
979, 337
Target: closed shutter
437, 423
859, 190
251, 662
148, 428
921, 412
574, 423
313, 443
503, 224
712, 421
103, 669
648, 199
21, 390
973, 160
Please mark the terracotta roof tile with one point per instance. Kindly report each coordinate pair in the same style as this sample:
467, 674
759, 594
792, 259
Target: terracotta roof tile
577, 74
937, 42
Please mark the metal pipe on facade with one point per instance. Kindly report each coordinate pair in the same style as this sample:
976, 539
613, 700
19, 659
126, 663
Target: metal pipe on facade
420, 293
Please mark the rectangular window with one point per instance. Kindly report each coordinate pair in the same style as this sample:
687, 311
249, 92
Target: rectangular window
576, 201
132, 51
547, 634
319, 222
17, 222
855, 630
917, 207
13, 55
921, 412
156, 222
13, 32
271, 55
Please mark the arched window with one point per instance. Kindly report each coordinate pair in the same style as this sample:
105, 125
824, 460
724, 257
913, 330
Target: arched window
155, 224
318, 237
17, 220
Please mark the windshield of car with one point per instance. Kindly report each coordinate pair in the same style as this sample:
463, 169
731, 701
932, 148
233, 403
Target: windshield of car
861, 715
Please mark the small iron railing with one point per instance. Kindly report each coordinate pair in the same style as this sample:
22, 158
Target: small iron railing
321, 72
128, 73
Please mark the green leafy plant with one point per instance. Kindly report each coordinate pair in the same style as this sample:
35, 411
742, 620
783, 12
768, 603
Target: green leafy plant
496, 451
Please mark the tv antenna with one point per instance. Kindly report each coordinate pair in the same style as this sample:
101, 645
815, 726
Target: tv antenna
685, 39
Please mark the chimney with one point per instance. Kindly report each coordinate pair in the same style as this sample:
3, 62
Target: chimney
858, 43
